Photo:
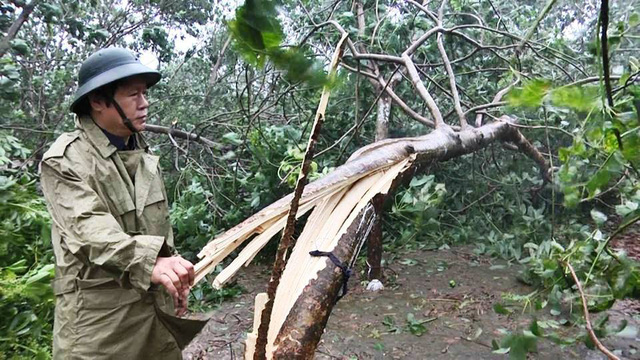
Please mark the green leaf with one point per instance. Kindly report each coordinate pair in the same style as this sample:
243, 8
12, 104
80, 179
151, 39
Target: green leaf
519, 345
534, 328
256, 30
631, 150
501, 351
421, 180
258, 36
51, 12
601, 178
415, 326
232, 138
98, 36
409, 262
628, 332
598, 217
579, 98
530, 95
501, 309
626, 208
20, 46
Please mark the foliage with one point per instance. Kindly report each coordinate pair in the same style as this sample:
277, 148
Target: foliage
204, 296
516, 345
412, 325
192, 219
258, 36
26, 298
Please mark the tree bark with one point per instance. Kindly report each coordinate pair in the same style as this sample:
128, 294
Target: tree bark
383, 116
303, 328
374, 243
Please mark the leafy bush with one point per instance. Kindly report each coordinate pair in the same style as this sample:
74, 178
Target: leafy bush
26, 298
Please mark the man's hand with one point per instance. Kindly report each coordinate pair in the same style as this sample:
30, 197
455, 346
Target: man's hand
176, 275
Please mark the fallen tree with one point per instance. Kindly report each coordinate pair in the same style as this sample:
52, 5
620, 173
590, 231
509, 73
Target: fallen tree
341, 219
344, 203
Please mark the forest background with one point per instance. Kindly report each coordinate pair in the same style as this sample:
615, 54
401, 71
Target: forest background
232, 118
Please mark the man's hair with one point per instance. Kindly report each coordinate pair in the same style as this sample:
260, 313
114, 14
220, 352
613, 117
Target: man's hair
106, 92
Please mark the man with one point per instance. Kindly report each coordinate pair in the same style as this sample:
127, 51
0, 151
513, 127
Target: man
117, 274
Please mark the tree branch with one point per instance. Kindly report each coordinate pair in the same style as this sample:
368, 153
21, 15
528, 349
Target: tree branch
214, 71
449, 69
396, 99
604, 23
494, 103
587, 319
157, 129
422, 90
533, 28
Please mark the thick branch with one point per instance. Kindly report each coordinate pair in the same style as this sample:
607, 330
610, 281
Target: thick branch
604, 23
422, 91
214, 71
157, 129
450, 73
302, 329
528, 149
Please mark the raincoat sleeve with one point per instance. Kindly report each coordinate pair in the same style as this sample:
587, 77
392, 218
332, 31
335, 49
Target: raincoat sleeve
92, 233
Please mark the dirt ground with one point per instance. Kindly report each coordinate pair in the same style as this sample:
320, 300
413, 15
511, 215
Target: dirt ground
451, 292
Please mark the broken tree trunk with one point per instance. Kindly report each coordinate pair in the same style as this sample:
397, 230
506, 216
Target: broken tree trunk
338, 201
302, 329
287, 239
374, 243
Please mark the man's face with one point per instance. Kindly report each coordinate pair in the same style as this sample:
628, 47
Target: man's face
131, 96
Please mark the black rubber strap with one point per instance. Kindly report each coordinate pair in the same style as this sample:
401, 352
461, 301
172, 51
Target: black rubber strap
124, 117
346, 272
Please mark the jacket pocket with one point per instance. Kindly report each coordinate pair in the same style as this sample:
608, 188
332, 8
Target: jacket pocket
100, 310
110, 298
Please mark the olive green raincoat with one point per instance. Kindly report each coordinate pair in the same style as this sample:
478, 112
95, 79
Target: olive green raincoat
110, 223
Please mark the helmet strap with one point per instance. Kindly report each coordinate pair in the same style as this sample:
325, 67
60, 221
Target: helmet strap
125, 119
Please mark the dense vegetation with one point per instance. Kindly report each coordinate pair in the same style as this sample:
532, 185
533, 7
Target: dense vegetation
257, 109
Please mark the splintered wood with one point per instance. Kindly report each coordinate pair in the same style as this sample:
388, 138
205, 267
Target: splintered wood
266, 223
325, 226
334, 207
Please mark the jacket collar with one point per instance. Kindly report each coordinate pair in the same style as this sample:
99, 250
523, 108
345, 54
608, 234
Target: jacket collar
100, 141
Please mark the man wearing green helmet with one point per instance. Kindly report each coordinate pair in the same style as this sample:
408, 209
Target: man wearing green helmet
118, 277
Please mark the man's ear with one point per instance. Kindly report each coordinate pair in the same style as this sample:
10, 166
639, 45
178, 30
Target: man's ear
97, 102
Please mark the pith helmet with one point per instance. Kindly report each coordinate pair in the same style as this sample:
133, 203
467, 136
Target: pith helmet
106, 66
